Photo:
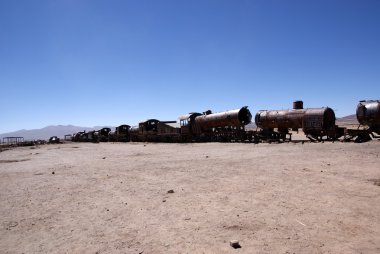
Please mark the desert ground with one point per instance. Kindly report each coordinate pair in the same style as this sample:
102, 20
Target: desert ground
190, 198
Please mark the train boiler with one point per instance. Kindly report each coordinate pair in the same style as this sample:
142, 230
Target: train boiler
281, 120
319, 123
368, 114
316, 123
224, 126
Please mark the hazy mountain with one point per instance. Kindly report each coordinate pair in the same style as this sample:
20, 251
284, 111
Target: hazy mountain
351, 119
49, 131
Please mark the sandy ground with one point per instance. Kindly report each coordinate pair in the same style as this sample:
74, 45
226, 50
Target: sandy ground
113, 198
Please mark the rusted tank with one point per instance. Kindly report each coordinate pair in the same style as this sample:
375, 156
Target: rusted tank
280, 119
315, 122
319, 122
231, 118
368, 113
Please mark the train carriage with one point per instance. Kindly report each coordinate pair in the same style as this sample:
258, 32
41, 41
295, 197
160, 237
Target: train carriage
316, 123
153, 130
121, 134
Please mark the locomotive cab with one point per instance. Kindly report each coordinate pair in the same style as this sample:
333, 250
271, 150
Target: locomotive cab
122, 129
148, 126
188, 126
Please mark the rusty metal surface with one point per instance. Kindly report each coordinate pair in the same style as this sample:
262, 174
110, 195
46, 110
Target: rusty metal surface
318, 121
153, 130
122, 129
298, 105
104, 131
121, 134
189, 116
188, 125
231, 118
280, 119
77, 136
315, 122
368, 113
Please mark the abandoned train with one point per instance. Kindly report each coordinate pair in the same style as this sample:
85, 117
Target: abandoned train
316, 123
230, 126
368, 116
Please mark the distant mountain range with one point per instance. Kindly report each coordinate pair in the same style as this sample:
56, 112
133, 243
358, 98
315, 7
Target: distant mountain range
350, 120
49, 131
62, 130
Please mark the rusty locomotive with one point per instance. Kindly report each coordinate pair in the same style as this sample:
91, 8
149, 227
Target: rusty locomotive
121, 134
101, 135
153, 130
368, 113
193, 127
368, 116
223, 127
318, 124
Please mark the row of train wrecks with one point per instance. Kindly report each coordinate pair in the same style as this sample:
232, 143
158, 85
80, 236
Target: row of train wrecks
318, 124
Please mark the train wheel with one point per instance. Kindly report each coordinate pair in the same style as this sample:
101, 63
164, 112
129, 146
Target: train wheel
363, 137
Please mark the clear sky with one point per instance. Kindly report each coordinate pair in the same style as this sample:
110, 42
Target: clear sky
110, 62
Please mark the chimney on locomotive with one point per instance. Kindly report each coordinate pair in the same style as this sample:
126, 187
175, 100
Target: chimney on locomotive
297, 104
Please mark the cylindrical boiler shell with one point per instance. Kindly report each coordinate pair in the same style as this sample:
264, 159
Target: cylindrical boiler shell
233, 118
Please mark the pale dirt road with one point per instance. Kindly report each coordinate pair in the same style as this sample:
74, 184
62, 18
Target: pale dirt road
113, 198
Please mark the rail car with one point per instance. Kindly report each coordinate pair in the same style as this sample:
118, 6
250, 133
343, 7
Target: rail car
317, 123
368, 113
368, 116
102, 134
77, 137
153, 130
92, 136
121, 134
224, 126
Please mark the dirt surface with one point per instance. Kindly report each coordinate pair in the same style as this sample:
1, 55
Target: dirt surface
190, 198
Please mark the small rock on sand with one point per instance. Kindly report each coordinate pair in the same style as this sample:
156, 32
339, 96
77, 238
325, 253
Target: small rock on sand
235, 244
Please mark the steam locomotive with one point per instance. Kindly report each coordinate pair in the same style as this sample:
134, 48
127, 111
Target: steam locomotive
121, 134
225, 126
92, 136
368, 116
318, 124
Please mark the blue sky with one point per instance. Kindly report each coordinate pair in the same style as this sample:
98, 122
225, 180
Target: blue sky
110, 62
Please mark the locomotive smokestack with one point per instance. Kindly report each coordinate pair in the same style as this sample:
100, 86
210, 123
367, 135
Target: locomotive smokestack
297, 104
